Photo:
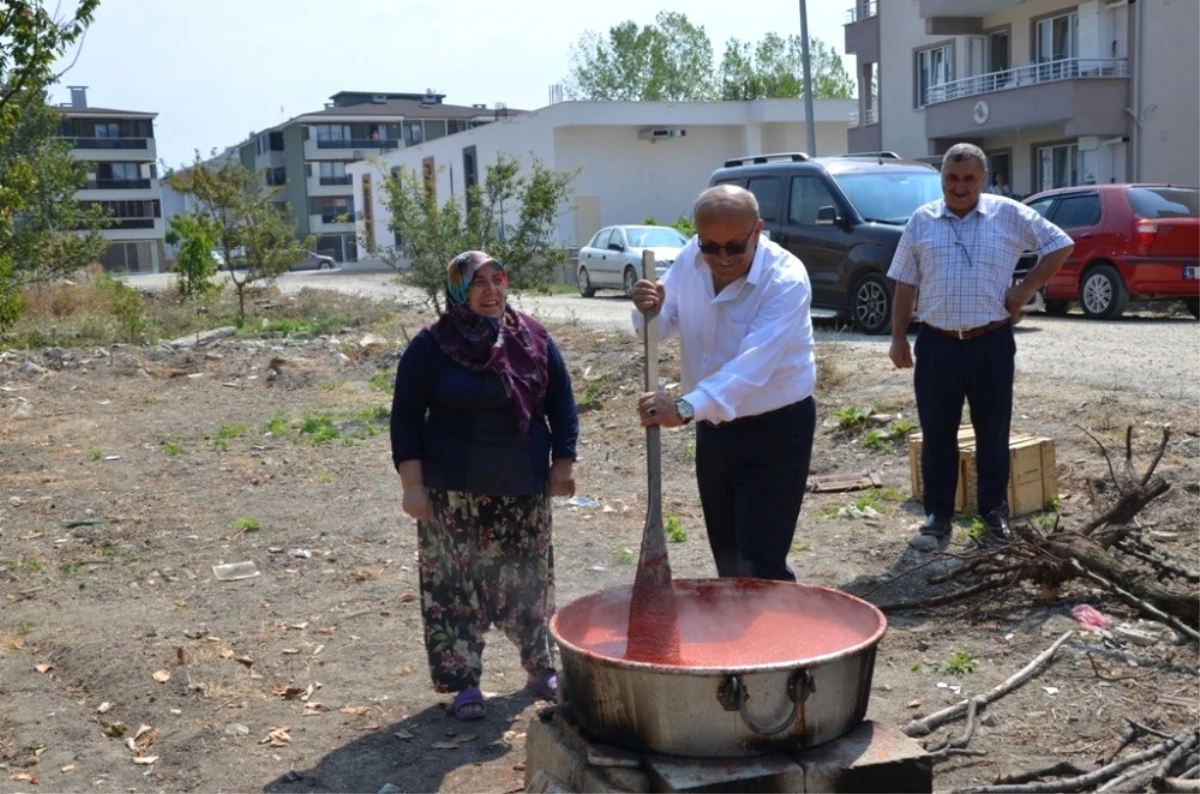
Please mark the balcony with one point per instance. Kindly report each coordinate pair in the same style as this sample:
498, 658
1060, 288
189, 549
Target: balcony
330, 185
331, 222
864, 9
358, 143
1086, 96
133, 229
347, 149
118, 184
962, 9
113, 149
862, 32
865, 119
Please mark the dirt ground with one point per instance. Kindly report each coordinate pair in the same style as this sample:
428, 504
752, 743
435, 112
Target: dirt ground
137, 470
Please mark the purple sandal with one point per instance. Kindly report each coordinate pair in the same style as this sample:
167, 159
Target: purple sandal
545, 686
468, 705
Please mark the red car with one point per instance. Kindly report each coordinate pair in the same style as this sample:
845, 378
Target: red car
1132, 242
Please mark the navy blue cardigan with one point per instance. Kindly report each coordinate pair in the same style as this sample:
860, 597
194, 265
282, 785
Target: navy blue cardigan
460, 424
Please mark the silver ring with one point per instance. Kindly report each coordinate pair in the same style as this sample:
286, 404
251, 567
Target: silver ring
652, 411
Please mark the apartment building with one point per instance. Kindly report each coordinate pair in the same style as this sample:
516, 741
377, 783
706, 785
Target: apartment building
122, 177
1057, 93
306, 156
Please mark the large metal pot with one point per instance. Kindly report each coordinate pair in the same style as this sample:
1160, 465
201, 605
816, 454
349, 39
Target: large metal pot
726, 711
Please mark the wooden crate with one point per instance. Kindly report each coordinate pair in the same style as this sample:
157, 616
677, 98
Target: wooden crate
1032, 475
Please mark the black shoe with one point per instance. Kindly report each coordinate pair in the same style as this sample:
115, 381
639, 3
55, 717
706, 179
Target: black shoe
936, 527
997, 526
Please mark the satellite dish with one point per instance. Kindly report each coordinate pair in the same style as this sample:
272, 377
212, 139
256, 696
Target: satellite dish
980, 112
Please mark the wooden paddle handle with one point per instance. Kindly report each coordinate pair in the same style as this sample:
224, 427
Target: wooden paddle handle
653, 439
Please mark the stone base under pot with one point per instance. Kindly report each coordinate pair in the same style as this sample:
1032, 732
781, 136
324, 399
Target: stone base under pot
559, 757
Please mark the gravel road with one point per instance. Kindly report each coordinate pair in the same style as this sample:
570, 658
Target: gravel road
1148, 352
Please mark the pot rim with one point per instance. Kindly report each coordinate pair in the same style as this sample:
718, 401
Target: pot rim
771, 667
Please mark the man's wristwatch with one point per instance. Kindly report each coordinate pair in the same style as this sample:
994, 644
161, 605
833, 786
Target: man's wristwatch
685, 410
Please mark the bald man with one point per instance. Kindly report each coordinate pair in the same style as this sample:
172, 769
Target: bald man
740, 305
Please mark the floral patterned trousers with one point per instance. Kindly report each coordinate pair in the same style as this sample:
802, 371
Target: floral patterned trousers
485, 560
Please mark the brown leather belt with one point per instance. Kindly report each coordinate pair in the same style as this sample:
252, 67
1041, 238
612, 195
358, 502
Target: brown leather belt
971, 333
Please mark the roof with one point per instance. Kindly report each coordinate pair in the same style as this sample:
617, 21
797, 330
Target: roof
71, 110
835, 164
393, 108
408, 108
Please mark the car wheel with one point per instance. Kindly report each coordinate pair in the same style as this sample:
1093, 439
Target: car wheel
630, 281
1193, 307
324, 266
585, 284
1057, 308
1103, 296
871, 304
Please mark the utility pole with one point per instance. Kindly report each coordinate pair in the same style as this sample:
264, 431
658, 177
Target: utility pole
809, 122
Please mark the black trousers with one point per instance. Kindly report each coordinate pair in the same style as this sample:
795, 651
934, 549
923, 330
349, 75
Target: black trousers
752, 473
981, 371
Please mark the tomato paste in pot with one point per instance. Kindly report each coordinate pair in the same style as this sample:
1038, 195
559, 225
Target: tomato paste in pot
763, 666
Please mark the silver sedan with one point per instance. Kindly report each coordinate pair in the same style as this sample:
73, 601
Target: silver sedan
613, 257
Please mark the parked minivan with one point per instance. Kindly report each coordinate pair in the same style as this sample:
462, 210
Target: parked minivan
843, 217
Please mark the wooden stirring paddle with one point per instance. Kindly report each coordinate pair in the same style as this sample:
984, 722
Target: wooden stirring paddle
653, 634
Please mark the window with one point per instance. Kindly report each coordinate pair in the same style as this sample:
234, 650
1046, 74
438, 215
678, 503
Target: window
276, 141
809, 194
107, 130
656, 238
276, 176
1042, 206
601, 239
1152, 203
329, 169
1076, 211
766, 190
1058, 166
935, 68
333, 132
890, 197
1058, 47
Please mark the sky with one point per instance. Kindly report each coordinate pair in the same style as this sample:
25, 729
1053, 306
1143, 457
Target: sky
217, 70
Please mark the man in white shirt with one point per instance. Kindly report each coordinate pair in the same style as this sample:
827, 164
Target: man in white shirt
740, 305
960, 252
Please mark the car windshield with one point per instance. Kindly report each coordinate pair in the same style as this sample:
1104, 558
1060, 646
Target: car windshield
1164, 202
655, 238
890, 196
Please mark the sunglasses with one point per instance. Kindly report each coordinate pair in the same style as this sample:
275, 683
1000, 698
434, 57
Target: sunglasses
732, 249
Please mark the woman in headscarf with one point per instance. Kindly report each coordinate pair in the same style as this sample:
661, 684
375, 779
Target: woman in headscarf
483, 434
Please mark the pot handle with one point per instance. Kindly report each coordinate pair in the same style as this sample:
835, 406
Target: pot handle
733, 696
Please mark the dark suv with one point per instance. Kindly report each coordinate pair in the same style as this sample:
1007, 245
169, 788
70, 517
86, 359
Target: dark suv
842, 216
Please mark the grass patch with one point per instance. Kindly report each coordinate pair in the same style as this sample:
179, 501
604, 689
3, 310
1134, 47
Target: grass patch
117, 551
93, 308
278, 424
960, 663
172, 448
68, 569
231, 431
243, 525
674, 529
383, 380
851, 417
96, 453
622, 556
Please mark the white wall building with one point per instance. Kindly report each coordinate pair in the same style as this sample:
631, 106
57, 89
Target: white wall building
634, 159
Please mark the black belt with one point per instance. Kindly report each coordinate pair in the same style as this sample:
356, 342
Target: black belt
971, 333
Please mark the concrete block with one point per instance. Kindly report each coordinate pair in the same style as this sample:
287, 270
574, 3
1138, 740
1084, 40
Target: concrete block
871, 758
554, 747
768, 773
543, 783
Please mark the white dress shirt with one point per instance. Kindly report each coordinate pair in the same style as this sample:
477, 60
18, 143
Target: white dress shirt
748, 349
963, 267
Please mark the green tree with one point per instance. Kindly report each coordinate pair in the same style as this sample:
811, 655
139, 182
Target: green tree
249, 228
512, 215
669, 60
195, 262
672, 60
774, 69
39, 218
